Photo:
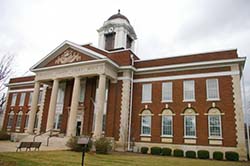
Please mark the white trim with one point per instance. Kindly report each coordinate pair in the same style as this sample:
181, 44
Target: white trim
20, 83
167, 101
22, 90
186, 76
191, 64
124, 78
145, 135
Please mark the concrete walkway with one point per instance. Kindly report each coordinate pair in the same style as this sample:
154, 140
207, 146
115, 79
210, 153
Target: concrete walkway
7, 146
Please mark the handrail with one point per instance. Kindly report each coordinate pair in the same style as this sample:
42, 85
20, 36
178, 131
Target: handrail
34, 138
51, 135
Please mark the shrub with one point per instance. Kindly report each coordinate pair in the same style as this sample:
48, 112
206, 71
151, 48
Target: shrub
155, 150
144, 150
4, 135
232, 156
218, 156
203, 154
166, 151
178, 153
190, 154
72, 144
103, 145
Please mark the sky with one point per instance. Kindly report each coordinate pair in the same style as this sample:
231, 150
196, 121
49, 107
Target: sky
30, 29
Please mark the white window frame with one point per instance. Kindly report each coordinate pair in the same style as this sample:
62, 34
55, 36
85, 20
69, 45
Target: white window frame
144, 99
185, 133
22, 99
12, 114
218, 91
167, 87
19, 115
185, 99
165, 135
13, 101
209, 131
146, 113
30, 98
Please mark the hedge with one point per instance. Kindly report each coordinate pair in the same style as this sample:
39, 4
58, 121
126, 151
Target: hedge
232, 156
190, 154
166, 152
218, 155
203, 154
144, 150
155, 150
178, 153
4, 135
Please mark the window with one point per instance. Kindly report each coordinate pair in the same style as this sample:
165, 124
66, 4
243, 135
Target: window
19, 119
10, 120
22, 99
82, 90
146, 93
190, 123
40, 97
13, 100
214, 123
189, 94
26, 120
109, 41
30, 98
36, 120
167, 92
105, 107
167, 123
146, 123
212, 89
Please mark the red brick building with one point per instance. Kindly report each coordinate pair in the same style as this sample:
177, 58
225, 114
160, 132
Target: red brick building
186, 102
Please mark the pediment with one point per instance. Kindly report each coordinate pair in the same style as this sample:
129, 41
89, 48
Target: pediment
67, 53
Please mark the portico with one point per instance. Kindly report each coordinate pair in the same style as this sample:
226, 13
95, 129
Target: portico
74, 71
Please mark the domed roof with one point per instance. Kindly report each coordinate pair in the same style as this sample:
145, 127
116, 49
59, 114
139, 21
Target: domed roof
118, 15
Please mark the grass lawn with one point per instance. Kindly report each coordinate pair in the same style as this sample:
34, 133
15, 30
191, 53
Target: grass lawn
60, 158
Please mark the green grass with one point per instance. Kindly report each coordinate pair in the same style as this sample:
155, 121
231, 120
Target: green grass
60, 158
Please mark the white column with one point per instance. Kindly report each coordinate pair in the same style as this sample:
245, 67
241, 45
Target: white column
52, 105
100, 100
71, 127
33, 108
125, 101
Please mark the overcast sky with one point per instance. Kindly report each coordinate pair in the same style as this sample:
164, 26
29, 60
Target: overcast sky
30, 29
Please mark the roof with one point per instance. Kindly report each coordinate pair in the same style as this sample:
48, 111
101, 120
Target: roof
118, 15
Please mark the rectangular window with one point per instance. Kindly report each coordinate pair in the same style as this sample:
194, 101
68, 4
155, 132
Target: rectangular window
214, 126
40, 97
13, 100
36, 121
147, 93
190, 127
167, 91
146, 125
30, 98
22, 99
212, 89
167, 125
189, 94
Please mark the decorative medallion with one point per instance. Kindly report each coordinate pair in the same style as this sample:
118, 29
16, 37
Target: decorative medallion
68, 56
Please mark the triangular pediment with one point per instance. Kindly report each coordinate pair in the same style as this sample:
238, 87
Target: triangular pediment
67, 53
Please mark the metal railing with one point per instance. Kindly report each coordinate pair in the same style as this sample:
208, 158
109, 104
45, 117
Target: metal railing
50, 135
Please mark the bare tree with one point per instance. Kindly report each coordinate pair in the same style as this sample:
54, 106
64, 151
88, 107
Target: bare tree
5, 72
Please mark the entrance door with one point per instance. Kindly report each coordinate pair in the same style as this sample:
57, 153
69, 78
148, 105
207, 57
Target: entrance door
78, 128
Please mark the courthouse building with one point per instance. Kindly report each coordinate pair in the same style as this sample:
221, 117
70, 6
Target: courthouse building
190, 102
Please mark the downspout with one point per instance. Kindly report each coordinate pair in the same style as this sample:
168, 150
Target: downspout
246, 113
131, 102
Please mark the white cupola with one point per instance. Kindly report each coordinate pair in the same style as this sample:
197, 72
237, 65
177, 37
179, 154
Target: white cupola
117, 33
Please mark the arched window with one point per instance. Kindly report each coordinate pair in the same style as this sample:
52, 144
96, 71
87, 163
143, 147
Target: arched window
10, 119
27, 119
19, 119
214, 123
190, 123
146, 122
167, 123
